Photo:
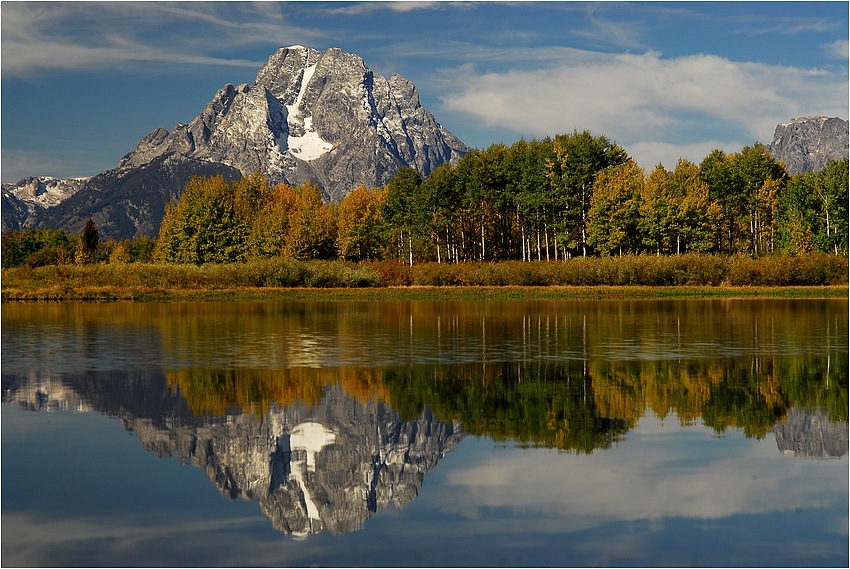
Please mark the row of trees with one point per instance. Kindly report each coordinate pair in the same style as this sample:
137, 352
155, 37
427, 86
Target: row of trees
550, 199
38, 247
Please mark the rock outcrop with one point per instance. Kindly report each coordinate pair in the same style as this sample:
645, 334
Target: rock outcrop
809, 143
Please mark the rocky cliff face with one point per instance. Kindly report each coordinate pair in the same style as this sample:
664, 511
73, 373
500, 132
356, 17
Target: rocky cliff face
322, 116
809, 143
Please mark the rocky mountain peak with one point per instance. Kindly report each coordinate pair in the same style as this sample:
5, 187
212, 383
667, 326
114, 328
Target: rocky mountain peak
322, 116
808, 143
24, 200
314, 115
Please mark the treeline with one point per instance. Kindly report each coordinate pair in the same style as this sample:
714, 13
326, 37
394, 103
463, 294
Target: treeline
576, 195
33, 247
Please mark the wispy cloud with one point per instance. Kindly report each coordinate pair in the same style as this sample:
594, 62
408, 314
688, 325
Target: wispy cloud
403, 6
839, 49
785, 26
40, 37
599, 27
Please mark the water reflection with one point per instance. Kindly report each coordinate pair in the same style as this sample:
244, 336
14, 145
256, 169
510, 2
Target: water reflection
326, 413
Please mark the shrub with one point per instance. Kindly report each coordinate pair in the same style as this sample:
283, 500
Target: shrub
436, 274
391, 273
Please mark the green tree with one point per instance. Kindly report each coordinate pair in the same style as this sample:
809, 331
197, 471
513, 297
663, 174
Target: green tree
480, 177
812, 213
830, 197
614, 215
694, 216
37, 247
440, 191
578, 159
88, 244
718, 172
405, 211
532, 191
747, 186
656, 213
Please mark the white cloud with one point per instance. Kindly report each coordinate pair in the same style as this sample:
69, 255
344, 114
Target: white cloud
402, 6
647, 101
839, 49
649, 154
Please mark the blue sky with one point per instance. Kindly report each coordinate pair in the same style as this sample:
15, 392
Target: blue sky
82, 82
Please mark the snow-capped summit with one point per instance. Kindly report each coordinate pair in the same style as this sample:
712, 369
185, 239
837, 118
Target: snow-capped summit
24, 200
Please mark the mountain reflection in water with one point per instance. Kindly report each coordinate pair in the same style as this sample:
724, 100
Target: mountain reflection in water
326, 414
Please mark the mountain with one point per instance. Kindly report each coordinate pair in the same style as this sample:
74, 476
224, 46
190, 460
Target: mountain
322, 116
23, 201
809, 143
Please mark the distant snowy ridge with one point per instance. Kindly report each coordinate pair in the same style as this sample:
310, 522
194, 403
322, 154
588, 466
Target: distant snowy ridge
23, 201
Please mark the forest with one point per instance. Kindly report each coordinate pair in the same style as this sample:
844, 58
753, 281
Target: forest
574, 195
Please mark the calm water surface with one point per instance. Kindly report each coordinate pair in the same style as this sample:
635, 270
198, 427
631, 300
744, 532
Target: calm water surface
484, 433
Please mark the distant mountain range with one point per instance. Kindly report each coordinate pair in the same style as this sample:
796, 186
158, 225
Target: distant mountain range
322, 116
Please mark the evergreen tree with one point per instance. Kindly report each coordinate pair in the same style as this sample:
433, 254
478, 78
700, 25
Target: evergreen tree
88, 244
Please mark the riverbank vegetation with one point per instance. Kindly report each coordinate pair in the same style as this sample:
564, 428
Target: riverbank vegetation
626, 276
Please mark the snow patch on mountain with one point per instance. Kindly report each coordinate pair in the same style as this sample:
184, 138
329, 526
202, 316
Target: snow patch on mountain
309, 145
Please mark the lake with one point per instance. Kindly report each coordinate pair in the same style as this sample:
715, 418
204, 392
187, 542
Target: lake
426, 433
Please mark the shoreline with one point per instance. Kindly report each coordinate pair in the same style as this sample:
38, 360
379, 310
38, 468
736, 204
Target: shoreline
416, 292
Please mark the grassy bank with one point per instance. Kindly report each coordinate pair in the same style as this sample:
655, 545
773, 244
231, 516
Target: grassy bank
614, 277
